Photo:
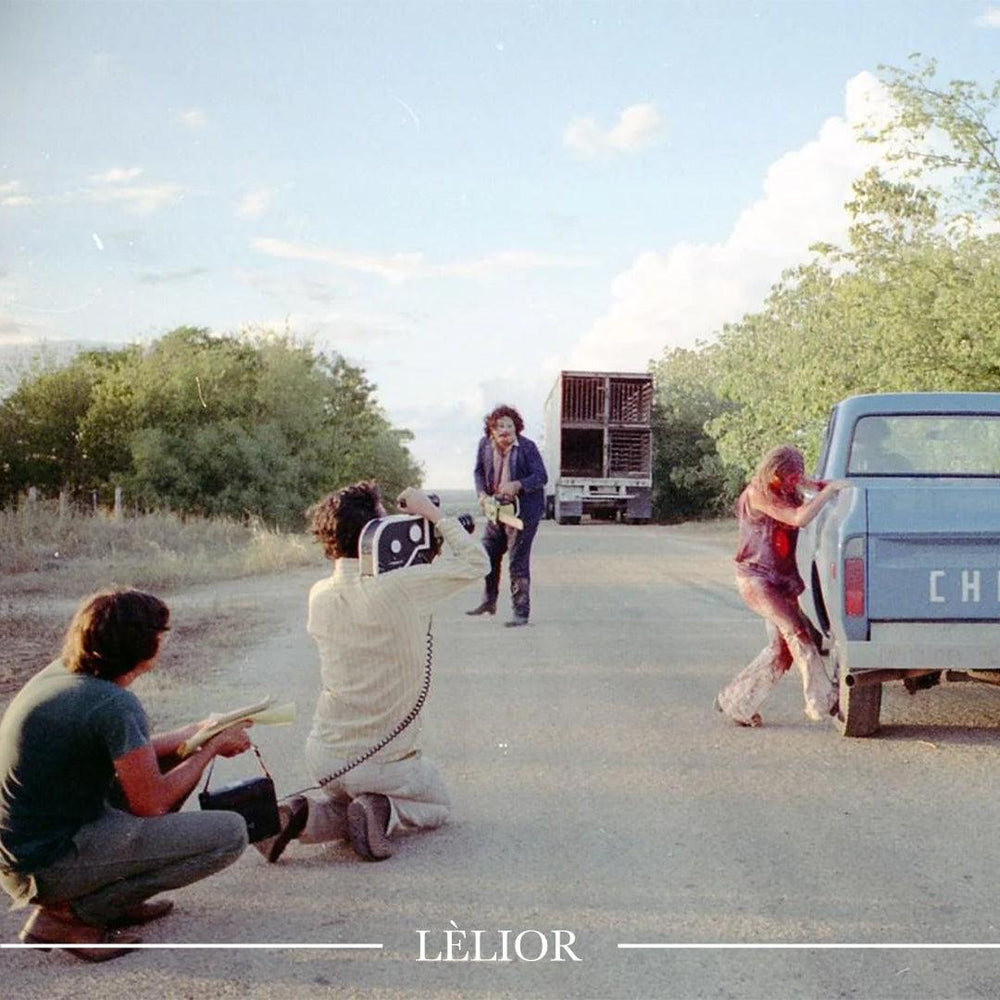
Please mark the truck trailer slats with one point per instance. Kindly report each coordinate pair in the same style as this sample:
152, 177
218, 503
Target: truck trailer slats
598, 446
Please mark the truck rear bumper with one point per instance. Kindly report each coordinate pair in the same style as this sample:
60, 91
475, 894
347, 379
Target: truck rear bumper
925, 646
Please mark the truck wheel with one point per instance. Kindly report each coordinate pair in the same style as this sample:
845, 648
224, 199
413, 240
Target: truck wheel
859, 708
567, 520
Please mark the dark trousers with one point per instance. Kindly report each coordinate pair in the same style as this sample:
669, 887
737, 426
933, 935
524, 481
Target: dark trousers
499, 539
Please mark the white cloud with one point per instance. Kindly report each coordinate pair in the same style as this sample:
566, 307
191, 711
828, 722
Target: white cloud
676, 297
254, 204
117, 175
139, 200
407, 266
504, 260
10, 198
990, 18
637, 127
393, 267
193, 118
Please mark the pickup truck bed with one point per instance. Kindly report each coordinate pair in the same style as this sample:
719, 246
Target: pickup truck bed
903, 570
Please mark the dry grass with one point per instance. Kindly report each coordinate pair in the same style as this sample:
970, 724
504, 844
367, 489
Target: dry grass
151, 550
48, 562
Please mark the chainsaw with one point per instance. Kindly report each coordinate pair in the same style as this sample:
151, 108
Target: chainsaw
502, 513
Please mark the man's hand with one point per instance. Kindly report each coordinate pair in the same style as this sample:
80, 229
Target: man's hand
510, 491
416, 502
230, 742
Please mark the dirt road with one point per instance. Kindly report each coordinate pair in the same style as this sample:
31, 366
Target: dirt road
596, 794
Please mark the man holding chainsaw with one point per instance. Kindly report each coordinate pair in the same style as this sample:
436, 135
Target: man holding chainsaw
510, 481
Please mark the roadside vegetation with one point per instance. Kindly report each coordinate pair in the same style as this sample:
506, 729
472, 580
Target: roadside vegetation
160, 551
250, 426
50, 560
911, 303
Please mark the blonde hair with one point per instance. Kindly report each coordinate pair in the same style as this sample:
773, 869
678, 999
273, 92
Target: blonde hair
778, 463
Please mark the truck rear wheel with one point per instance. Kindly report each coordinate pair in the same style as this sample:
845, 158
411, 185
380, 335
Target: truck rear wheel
568, 520
859, 708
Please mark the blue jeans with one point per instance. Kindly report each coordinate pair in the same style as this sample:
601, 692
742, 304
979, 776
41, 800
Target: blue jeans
121, 859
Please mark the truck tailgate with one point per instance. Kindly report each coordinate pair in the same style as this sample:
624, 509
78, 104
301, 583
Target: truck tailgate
934, 552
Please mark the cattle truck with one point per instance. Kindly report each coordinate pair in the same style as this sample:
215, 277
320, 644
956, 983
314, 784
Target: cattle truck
598, 447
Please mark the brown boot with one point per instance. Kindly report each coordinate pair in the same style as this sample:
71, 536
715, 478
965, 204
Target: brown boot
143, 913
292, 816
485, 608
59, 927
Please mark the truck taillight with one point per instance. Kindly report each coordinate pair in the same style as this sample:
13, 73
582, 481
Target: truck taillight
854, 578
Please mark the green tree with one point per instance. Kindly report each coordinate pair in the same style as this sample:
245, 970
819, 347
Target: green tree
911, 303
41, 427
689, 478
255, 425
945, 135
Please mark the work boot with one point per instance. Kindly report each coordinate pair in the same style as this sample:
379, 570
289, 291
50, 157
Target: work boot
59, 927
486, 608
367, 823
142, 913
520, 598
292, 815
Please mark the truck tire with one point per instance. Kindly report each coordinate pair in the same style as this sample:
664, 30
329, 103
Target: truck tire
568, 520
859, 708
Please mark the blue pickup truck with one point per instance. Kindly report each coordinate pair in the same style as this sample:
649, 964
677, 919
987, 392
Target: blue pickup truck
902, 570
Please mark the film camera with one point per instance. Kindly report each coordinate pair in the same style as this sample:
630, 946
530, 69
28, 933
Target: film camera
398, 540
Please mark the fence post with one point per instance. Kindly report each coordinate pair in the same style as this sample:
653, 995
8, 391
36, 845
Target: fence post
118, 502
63, 504
32, 494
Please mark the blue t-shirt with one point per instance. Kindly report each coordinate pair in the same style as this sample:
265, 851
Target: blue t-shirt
59, 739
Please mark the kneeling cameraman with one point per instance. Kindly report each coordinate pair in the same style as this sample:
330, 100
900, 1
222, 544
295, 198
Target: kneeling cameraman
66, 737
371, 632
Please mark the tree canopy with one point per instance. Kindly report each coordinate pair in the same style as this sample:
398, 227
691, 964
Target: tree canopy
202, 423
911, 303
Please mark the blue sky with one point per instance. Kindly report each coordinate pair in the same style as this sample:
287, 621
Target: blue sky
463, 198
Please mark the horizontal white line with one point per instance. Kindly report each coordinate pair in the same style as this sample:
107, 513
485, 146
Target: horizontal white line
220, 947
902, 946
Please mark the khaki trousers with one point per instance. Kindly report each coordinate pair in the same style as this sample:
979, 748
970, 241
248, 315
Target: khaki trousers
417, 795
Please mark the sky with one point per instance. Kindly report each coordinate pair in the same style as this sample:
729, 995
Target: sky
463, 198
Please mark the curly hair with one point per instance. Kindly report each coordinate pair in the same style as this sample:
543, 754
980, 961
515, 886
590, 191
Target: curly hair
336, 521
489, 421
778, 463
113, 631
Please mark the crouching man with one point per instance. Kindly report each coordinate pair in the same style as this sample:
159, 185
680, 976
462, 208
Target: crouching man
73, 738
371, 632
